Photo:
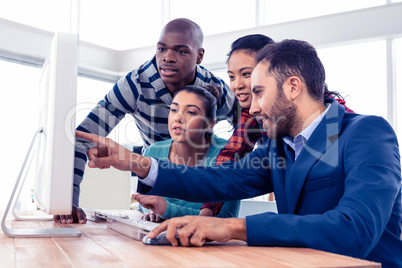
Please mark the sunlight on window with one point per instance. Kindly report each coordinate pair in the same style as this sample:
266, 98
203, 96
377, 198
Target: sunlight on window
288, 10
358, 72
216, 16
118, 24
223, 129
121, 24
398, 60
222, 74
21, 110
89, 93
20, 120
49, 15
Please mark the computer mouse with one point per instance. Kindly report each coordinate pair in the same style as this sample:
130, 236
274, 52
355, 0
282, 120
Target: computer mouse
158, 240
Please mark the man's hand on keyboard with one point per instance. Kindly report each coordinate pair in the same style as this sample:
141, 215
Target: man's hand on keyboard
155, 203
196, 230
77, 216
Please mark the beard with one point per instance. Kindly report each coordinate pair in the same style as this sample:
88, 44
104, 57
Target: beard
284, 117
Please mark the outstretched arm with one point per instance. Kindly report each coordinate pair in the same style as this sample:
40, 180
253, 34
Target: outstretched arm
107, 153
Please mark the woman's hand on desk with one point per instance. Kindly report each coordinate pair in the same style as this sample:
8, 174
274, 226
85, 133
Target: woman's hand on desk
155, 203
196, 230
77, 216
206, 212
152, 216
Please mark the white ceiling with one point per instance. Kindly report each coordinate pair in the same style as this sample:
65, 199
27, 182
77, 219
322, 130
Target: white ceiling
31, 45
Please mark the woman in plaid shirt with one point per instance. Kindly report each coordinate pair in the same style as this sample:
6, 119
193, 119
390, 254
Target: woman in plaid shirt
247, 132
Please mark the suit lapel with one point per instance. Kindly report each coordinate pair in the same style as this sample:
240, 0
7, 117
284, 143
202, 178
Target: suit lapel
323, 137
280, 162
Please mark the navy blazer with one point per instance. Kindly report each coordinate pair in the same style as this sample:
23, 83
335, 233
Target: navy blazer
342, 194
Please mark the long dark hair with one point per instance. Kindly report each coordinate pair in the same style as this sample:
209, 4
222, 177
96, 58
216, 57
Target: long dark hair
331, 93
250, 44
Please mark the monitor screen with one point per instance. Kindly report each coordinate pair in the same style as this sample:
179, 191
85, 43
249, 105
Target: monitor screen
55, 158
55, 139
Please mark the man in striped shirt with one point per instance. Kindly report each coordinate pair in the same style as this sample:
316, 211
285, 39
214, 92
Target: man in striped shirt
146, 94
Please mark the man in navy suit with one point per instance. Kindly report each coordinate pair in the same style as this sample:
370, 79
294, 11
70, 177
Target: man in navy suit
336, 175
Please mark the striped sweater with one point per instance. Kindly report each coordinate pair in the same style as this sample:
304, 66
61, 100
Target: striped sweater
142, 94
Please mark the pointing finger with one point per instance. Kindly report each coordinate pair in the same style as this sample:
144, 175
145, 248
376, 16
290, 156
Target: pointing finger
91, 137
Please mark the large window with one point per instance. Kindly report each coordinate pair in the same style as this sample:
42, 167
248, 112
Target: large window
20, 116
216, 16
121, 24
89, 93
20, 120
398, 80
50, 15
118, 24
358, 72
289, 10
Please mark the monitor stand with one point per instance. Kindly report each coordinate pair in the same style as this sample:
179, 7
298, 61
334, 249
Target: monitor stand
51, 232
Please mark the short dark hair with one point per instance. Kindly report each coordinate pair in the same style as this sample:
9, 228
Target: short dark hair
250, 43
183, 25
295, 58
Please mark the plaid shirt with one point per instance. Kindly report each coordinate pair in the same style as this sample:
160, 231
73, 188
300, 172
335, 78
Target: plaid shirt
245, 136
142, 94
343, 103
242, 142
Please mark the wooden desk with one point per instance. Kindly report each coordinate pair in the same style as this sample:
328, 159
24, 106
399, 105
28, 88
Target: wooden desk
99, 246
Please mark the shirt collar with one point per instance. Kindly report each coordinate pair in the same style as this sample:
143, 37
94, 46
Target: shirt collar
308, 131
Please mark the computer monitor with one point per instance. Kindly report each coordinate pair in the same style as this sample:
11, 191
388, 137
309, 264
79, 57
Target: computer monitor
54, 140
